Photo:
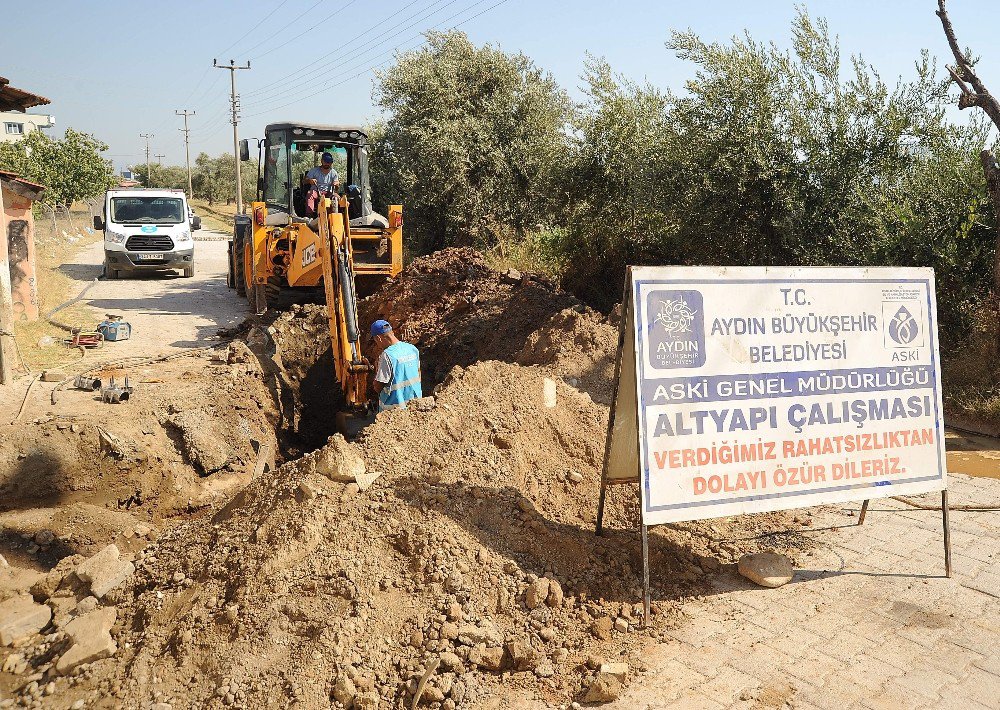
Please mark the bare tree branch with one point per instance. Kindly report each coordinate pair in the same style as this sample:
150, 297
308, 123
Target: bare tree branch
979, 95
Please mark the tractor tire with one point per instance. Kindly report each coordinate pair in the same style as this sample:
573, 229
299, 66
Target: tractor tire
273, 292
239, 279
230, 276
249, 287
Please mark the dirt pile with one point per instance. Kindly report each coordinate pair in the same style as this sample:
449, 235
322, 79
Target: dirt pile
458, 310
474, 547
459, 565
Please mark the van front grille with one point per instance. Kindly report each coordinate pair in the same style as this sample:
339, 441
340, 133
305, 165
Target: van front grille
149, 242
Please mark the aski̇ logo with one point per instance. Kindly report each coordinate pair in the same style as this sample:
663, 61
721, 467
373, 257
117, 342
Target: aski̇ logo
903, 327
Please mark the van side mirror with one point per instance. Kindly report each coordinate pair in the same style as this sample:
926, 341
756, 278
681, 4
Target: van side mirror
195, 223
98, 223
244, 149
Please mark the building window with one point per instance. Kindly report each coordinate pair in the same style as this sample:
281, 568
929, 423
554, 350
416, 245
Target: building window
16, 129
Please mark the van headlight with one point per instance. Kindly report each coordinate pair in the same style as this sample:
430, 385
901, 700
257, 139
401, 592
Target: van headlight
114, 237
184, 237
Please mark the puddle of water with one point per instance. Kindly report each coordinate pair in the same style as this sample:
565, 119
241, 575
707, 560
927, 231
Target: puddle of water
972, 454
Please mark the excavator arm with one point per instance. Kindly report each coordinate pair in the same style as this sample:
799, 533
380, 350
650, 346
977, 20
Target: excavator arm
337, 257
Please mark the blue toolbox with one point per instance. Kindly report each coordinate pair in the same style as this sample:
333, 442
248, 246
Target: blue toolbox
114, 328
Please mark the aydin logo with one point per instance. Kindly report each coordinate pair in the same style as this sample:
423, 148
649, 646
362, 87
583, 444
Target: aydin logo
149, 228
675, 316
675, 329
903, 327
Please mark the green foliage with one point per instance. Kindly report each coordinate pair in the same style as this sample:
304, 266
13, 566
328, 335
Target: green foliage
71, 168
774, 157
167, 176
766, 157
214, 179
471, 139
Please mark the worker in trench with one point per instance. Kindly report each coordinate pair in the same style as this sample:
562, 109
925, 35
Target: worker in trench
397, 375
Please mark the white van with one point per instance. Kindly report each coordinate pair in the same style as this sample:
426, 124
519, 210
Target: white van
147, 230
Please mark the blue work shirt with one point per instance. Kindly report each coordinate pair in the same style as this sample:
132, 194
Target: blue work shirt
399, 372
324, 181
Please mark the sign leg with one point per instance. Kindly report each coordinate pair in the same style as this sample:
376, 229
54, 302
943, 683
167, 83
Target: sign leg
645, 575
599, 530
864, 510
947, 533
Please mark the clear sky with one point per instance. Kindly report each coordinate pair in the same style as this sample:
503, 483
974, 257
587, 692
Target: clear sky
119, 69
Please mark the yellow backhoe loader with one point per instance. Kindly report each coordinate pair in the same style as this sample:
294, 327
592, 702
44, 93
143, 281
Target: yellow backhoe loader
296, 237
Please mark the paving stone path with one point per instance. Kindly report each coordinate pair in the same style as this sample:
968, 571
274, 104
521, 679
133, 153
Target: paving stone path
869, 621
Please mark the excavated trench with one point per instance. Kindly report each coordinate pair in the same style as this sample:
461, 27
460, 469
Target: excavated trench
458, 312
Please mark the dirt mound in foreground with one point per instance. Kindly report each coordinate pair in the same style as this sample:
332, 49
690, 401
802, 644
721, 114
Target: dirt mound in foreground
469, 564
474, 549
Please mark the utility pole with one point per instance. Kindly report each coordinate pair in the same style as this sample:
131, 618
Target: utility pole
147, 136
235, 101
187, 146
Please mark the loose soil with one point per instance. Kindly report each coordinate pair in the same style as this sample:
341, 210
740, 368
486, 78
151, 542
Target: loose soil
470, 562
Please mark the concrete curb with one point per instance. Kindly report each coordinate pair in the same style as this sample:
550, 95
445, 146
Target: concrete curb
971, 426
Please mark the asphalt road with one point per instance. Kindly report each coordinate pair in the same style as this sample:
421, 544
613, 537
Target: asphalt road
167, 312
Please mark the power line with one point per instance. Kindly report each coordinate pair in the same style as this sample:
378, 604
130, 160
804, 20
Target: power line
147, 136
309, 84
327, 86
285, 27
341, 48
315, 26
197, 84
259, 23
187, 145
233, 68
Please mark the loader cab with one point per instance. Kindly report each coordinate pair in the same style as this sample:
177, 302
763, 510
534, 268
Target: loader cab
290, 150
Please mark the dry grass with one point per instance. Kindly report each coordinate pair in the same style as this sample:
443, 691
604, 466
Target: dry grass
56, 247
218, 216
533, 253
971, 380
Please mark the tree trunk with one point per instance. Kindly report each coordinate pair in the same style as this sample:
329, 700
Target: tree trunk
992, 173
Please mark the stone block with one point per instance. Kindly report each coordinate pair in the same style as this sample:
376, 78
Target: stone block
21, 617
768, 569
105, 571
91, 635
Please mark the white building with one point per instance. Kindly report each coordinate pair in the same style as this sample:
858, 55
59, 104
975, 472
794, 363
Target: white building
15, 126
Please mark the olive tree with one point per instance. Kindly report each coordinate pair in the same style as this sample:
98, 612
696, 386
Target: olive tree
70, 168
470, 137
975, 94
775, 157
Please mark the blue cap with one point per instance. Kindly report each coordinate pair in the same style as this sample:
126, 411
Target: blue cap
380, 327
327, 157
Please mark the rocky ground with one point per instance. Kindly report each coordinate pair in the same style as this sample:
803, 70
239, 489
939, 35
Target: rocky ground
444, 558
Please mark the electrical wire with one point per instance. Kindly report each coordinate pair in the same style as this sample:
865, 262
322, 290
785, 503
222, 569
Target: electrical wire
259, 23
330, 72
392, 51
285, 27
318, 74
316, 26
297, 72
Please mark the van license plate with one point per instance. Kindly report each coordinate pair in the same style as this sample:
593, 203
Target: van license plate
149, 257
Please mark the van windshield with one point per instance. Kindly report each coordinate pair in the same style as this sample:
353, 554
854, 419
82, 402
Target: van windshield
161, 210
